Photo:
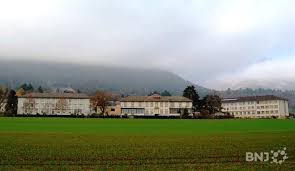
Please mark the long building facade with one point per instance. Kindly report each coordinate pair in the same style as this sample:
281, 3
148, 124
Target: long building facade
54, 104
155, 105
256, 107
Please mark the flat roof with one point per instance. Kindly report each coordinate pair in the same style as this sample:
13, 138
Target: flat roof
56, 95
253, 98
155, 99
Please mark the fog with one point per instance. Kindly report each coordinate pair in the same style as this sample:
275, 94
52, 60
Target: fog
218, 44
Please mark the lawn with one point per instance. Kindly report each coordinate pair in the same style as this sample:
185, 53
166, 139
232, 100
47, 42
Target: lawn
138, 144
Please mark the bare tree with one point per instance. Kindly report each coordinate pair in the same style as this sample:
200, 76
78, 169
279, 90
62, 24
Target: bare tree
29, 105
101, 100
212, 103
62, 105
3, 97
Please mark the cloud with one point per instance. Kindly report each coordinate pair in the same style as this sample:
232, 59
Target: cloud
274, 73
199, 40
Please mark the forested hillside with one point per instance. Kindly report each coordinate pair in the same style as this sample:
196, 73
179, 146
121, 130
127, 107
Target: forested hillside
88, 78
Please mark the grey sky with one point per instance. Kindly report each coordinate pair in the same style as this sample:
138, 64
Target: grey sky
217, 44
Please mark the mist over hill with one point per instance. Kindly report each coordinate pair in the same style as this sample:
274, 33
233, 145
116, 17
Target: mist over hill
288, 94
123, 80
89, 78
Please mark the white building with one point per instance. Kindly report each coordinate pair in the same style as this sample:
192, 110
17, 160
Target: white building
256, 107
54, 104
155, 104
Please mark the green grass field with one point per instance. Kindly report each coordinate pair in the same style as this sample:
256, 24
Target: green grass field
137, 144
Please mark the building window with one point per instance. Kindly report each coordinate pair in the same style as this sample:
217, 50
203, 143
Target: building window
172, 104
187, 104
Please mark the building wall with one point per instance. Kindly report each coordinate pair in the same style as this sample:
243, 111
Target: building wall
257, 109
51, 106
111, 110
150, 108
114, 110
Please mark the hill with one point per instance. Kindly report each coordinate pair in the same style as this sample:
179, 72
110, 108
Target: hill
123, 80
88, 78
288, 94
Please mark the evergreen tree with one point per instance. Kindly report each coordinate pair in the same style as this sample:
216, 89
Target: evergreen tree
11, 106
40, 89
24, 87
165, 93
191, 93
30, 88
154, 92
27, 87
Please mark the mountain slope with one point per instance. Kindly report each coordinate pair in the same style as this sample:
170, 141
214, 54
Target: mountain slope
91, 77
288, 94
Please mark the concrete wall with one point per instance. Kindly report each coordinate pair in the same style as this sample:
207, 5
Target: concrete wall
257, 109
111, 110
150, 108
51, 106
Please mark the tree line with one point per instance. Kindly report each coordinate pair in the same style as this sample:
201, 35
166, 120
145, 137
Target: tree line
9, 99
205, 107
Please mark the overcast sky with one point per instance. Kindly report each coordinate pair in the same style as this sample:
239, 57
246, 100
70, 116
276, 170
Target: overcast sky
217, 44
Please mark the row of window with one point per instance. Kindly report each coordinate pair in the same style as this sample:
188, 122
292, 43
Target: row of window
51, 108
254, 112
253, 107
149, 111
70, 111
251, 103
46, 103
155, 104
50, 104
133, 111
